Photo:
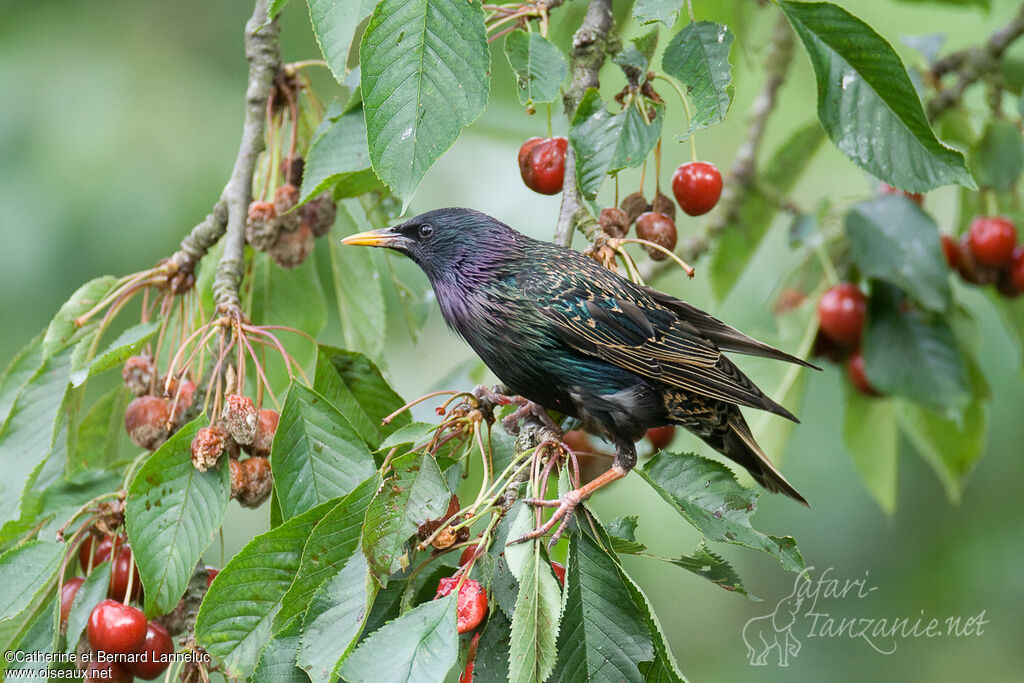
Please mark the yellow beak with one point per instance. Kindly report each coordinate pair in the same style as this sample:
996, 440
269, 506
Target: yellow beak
372, 238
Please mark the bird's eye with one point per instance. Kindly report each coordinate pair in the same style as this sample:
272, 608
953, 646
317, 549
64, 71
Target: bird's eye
425, 231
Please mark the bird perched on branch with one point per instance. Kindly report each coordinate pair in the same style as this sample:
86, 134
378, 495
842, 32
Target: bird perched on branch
572, 336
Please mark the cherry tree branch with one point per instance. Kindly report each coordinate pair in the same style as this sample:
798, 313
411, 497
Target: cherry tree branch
590, 46
740, 180
230, 211
971, 64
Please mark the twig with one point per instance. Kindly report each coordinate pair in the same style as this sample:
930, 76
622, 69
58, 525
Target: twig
264, 55
778, 57
971, 64
590, 45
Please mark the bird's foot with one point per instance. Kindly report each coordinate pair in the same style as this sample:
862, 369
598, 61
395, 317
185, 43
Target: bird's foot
566, 506
528, 409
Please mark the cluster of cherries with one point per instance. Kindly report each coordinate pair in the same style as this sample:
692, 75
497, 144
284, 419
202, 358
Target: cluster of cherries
150, 418
285, 233
841, 312
697, 186
115, 627
242, 427
988, 253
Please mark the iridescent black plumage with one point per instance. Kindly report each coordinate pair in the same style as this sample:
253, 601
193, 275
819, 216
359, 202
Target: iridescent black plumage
570, 335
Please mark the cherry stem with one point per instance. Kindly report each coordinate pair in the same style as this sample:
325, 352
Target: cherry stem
682, 264
421, 399
686, 107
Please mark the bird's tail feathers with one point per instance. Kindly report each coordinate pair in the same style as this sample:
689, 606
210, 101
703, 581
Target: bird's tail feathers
739, 445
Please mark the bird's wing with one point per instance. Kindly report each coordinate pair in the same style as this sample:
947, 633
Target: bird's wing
638, 334
724, 336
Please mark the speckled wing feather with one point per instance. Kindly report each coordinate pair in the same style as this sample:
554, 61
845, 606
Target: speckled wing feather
600, 314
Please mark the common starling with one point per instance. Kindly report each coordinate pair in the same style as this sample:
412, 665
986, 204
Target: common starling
570, 335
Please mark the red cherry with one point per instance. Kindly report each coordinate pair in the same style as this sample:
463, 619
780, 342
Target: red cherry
1017, 269
951, 250
67, 596
106, 672
471, 604
157, 648
211, 574
697, 187
660, 437
100, 554
116, 627
992, 240
841, 313
467, 555
542, 164
559, 570
123, 566
467, 675
886, 188
858, 378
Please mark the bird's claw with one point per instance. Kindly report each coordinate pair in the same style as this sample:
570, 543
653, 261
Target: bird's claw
565, 507
526, 410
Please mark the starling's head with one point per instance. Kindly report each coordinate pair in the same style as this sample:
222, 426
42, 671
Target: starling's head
445, 241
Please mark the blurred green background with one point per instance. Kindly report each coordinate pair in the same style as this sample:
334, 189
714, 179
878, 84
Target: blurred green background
119, 125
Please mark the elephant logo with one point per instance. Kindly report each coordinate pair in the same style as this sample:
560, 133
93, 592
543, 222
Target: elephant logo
774, 631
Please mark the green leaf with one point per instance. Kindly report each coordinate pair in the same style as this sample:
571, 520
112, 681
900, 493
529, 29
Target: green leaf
316, 455
410, 434
635, 60
358, 292
336, 618
713, 567
699, 57
491, 664
421, 646
101, 435
706, 494
339, 160
742, 236
234, 622
17, 374
867, 103
334, 24
539, 66
414, 493
92, 591
622, 532
605, 143
35, 635
872, 437
603, 635
127, 344
330, 545
172, 513
275, 292
949, 445
62, 329
649, 11
27, 436
25, 572
912, 353
998, 160
424, 76
892, 239
535, 620
357, 386
276, 663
